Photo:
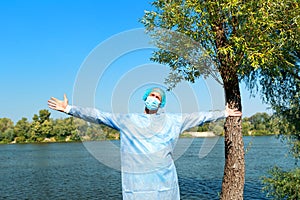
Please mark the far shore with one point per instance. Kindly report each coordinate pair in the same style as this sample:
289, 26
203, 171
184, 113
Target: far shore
187, 134
199, 134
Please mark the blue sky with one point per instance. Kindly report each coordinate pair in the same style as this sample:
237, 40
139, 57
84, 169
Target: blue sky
43, 45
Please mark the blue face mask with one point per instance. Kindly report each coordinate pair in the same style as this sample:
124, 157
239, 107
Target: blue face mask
152, 103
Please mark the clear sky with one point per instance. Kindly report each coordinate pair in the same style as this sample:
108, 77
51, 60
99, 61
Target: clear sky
43, 46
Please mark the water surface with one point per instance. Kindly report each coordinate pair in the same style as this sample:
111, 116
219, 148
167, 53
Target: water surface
69, 171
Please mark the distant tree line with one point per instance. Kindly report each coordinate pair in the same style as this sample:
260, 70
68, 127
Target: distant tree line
42, 128
257, 125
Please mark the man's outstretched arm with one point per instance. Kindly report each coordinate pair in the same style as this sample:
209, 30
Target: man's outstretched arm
88, 114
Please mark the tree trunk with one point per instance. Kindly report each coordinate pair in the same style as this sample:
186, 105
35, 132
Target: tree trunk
234, 170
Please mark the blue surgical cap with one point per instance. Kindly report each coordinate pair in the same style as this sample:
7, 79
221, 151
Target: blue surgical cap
158, 90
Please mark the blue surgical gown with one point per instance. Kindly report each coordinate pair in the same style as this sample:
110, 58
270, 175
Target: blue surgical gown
147, 142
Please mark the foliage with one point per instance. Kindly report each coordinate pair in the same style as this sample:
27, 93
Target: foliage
281, 91
259, 124
283, 184
6, 130
44, 129
287, 105
5, 123
286, 184
290, 134
255, 37
22, 128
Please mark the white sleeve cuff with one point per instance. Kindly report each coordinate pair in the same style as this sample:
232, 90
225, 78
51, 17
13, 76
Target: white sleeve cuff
67, 109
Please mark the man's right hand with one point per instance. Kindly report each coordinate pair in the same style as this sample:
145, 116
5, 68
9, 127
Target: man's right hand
58, 105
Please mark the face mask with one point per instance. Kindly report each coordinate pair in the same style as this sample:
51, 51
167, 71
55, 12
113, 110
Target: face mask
152, 103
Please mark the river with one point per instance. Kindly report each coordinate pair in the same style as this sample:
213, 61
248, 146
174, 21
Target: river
69, 171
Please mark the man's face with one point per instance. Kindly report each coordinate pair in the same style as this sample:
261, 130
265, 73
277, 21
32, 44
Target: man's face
156, 95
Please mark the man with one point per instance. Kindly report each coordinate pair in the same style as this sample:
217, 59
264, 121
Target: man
147, 141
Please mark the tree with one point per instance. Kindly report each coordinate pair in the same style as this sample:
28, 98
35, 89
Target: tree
64, 128
245, 41
247, 126
8, 135
44, 115
22, 129
5, 123
6, 130
41, 127
35, 131
261, 124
